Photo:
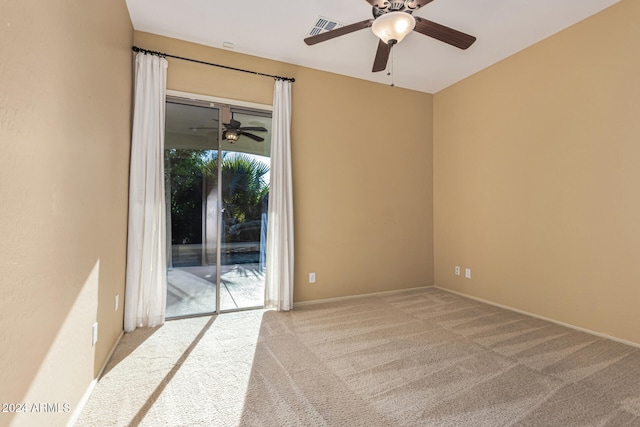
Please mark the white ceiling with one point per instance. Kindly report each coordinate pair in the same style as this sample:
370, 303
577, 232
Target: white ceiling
275, 29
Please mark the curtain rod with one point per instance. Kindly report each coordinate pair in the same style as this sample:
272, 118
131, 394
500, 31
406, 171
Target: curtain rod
152, 52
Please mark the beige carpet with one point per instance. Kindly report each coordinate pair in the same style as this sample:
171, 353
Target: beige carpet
417, 358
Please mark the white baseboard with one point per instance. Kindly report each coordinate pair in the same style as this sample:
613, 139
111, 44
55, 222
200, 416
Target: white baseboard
557, 322
87, 394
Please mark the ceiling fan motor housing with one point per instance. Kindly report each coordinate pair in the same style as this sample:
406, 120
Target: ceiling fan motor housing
383, 6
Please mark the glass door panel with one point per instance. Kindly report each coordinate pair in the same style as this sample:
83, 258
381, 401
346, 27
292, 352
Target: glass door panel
191, 151
245, 197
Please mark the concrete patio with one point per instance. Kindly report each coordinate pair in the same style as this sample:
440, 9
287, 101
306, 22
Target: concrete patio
192, 290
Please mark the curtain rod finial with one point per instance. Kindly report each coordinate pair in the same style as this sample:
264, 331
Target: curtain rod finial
290, 79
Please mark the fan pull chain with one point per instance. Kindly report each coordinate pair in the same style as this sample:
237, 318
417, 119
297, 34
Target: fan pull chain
390, 68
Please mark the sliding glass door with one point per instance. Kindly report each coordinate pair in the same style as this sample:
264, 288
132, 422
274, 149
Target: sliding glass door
217, 191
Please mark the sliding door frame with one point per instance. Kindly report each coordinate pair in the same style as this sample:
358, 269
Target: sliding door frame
214, 103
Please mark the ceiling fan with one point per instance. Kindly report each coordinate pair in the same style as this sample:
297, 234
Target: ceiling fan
392, 21
233, 130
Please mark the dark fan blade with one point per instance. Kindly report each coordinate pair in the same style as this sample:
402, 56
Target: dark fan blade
444, 34
415, 4
382, 56
338, 32
252, 136
254, 129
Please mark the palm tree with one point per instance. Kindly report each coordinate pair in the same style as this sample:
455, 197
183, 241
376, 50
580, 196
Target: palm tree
244, 191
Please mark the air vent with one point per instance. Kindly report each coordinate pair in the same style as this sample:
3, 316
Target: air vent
323, 25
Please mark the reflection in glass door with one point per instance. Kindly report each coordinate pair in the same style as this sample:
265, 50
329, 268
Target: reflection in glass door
217, 191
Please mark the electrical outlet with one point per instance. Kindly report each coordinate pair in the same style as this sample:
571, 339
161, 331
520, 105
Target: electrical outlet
312, 277
457, 270
94, 334
467, 273
117, 302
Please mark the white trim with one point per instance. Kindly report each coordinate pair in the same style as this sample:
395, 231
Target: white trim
87, 394
322, 301
557, 322
215, 99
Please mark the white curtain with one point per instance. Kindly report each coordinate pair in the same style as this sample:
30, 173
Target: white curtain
146, 281
279, 265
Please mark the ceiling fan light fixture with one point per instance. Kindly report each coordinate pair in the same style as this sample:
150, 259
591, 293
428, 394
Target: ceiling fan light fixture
231, 136
393, 26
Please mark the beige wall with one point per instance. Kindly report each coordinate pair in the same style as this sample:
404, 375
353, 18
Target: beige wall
535, 171
65, 96
362, 169
537, 165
